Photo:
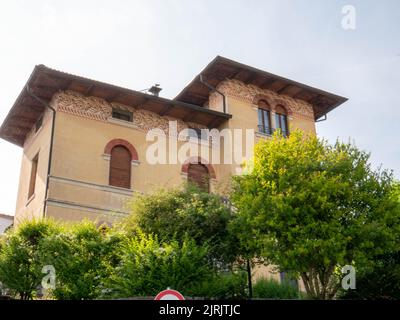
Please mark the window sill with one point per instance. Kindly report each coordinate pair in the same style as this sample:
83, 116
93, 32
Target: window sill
121, 189
262, 134
123, 123
30, 200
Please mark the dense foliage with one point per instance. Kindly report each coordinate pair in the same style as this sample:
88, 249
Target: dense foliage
272, 289
223, 285
148, 266
20, 263
316, 207
380, 281
304, 206
92, 262
83, 256
186, 212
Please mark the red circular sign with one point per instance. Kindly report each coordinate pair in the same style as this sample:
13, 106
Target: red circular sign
169, 295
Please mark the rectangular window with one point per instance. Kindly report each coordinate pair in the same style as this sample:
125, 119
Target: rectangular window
32, 182
122, 115
281, 123
264, 123
260, 118
197, 134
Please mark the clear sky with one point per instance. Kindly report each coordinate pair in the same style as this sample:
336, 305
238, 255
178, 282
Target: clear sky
137, 43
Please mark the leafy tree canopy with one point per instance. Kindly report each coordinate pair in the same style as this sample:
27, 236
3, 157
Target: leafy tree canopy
316, 207
177, 213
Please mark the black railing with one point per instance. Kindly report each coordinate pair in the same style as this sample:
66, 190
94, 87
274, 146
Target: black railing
265, 130
269, 131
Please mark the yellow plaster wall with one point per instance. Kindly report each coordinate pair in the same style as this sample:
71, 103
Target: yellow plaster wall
78, 156
80, 139
71, 214
36, 143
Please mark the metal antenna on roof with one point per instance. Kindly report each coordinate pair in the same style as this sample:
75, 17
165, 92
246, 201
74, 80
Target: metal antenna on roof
155, 90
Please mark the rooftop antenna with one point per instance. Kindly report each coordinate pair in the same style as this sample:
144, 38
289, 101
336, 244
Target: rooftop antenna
155, 90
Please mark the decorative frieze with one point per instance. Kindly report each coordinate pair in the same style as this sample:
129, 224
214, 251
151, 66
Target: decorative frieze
250, 93
99, 109
79, 105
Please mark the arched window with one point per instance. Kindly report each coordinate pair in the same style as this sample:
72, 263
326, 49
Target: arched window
120, 167
198, 174
264, 117
281, 120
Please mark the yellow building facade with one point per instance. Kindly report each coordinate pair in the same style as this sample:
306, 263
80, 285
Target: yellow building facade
71, 127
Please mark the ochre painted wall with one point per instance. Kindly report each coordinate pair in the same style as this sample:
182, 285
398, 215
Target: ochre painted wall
36, 143
80, 169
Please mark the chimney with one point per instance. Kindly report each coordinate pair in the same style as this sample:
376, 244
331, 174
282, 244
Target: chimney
155, 90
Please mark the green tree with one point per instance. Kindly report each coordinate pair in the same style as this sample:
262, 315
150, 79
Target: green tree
83, 255
316, 207
177, 213
381, 281
381, 278
248, 249
20, 265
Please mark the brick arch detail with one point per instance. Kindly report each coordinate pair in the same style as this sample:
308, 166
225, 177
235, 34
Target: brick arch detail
283, 104
121, 142
198, 160
273, 103
258, 97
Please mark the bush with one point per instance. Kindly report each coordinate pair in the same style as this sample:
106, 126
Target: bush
177, 213
272, 289
148, 266
20, 265
83, 256
222, 286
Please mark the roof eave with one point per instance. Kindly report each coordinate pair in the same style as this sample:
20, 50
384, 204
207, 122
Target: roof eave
41, 70
219, 59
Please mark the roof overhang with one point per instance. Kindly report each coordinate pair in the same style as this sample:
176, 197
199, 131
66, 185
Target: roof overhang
45, 82
221, 69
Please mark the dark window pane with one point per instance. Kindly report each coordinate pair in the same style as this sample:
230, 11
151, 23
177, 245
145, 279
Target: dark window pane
32, 182
197, 133
38, 124
264, 122
277, 121
266, 119
260, 117
194, 133
283, 123
122, 115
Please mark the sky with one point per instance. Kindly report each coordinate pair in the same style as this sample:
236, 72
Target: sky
135, 44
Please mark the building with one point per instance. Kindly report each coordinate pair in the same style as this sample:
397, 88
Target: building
5, 222
87, 148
